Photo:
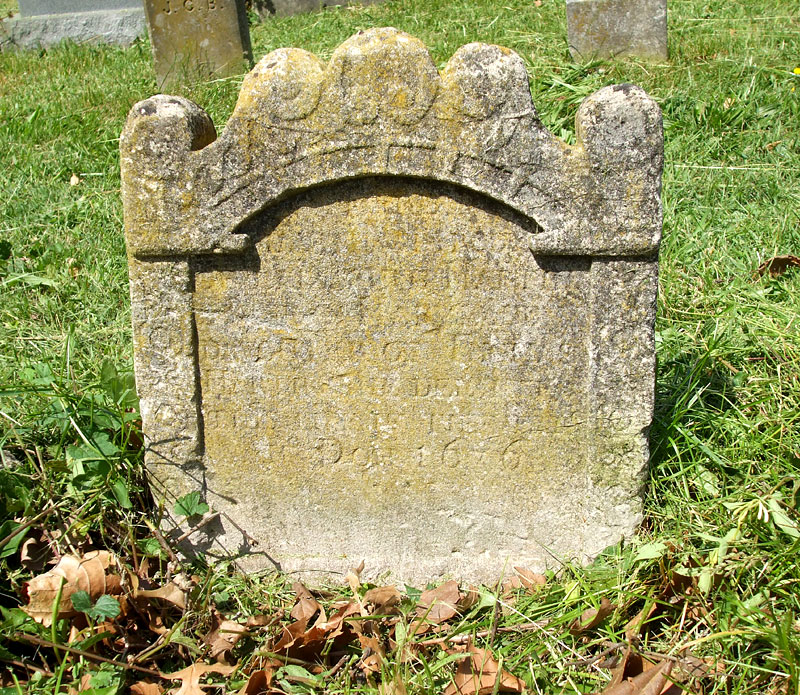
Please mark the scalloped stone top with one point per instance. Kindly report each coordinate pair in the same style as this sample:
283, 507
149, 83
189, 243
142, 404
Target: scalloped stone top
380, 107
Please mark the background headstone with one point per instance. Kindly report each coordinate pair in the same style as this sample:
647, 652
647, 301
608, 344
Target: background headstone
608, 28
42, 23
388, 316
198, 38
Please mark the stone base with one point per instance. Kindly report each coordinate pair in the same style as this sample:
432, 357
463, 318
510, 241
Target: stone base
119, 27
609, 28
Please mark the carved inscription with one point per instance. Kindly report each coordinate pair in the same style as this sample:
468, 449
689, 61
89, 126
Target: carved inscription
369, 344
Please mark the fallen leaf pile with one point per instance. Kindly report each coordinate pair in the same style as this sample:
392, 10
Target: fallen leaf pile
377, 637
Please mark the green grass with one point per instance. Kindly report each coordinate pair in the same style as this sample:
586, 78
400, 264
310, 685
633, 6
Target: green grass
722, 501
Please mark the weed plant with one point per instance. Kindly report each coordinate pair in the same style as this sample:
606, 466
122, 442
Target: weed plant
714, 569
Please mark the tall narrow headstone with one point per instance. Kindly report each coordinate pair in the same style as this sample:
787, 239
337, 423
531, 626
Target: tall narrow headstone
197, 38
609, 28
388, 316
43, 23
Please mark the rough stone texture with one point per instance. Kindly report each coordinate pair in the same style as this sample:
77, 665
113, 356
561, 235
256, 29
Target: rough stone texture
388, 316
608, 28
266, 8
203, 38
112, 26
32, 8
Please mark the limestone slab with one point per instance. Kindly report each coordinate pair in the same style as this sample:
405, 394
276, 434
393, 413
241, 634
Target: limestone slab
33, 8
608, 28
197, 38
109, 26
387, 316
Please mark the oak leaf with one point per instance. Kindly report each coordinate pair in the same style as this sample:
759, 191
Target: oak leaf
651, 681
439, 604
384, 598
531, 580
171, 593
190, 677
592, 617
223, 637
145, 688
306, 605
778, 265
479, 675
259, 682
70, 575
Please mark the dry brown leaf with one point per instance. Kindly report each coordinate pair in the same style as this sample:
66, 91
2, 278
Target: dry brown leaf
652, 681
383, 598
592, 617
531, 580
75, 574
35, 552
778, 265
84, 684
439, 604
353, 577
223, 637
631, 665
396, 686
372, 657
258, 620
469, 598
634, 626
171, 593
259, 682
299, 641
478, 675
190, 677
306, 605
146, 688
509, 586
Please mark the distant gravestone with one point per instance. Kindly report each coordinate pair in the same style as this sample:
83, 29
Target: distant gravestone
197, 38
608, 28
43, 23
388, 316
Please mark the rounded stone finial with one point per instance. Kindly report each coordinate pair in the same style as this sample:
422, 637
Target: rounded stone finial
482, 80
285, 84
172, 118
384, 73
619, 122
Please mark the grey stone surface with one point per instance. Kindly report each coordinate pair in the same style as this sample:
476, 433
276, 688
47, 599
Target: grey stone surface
32, 8
197, 38
608, 28
266, 8
388, 316
117, 27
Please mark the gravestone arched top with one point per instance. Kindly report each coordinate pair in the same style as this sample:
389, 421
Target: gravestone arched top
380, 107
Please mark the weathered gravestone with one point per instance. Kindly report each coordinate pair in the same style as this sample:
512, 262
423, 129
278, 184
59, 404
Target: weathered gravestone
388, 316
205, 38
47, 22
608, 28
